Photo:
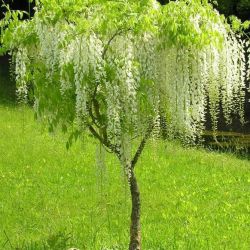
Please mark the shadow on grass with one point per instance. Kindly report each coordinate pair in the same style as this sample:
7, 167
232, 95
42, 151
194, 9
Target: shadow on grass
55, 241
237, 144
7, 87
242, 153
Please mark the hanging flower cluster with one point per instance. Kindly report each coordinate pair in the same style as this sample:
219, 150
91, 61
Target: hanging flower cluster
116, 68
21, 64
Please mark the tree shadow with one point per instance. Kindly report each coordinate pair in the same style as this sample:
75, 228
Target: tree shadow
7, 85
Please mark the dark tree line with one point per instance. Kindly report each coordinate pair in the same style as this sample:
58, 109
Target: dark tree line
239, 8
17, 5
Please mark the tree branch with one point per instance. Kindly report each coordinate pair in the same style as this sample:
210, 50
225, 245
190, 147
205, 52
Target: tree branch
103, 141
97, 119
117, 33
103, 125
142, 144
94, 119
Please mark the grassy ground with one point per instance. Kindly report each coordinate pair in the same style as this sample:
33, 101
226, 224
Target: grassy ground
191, 199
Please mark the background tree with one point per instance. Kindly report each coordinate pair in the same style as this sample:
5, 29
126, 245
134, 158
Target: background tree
111, 69
239, 8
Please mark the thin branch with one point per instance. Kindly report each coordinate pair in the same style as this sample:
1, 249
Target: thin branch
142, 145
96, 135
97, 109
109, 42
117, 33
245, 34
97, 118
103, 126
97, 121
104, 142
94, 119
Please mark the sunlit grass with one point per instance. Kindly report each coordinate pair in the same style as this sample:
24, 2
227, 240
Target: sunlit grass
191, 199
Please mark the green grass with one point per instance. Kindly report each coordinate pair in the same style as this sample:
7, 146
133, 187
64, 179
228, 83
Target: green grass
191, 199
51, 198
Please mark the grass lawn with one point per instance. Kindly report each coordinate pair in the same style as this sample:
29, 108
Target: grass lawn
191, 199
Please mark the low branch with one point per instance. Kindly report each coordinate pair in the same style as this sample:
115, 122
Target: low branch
142, 145
96, 135
104, 142
97, 119
94, 119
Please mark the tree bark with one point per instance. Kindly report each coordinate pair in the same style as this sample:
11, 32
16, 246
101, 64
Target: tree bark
135, 227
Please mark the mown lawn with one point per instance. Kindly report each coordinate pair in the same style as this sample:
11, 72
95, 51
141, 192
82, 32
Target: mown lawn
191, 199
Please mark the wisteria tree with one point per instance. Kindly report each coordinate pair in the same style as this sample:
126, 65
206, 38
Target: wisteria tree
112, 69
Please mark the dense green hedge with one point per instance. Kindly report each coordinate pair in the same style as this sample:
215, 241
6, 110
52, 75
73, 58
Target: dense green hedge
243, 8
227, 7
240, 8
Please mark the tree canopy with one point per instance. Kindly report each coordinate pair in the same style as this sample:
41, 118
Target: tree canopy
113, 68
134, 57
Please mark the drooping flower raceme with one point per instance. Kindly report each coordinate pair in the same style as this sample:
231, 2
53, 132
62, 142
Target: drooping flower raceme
116, 66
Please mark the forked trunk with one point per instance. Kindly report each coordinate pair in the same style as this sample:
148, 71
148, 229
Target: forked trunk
135, 227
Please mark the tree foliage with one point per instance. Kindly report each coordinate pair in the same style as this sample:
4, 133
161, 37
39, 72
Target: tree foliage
113, 64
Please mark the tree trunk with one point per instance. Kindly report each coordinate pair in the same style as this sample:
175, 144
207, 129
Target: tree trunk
135, 227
